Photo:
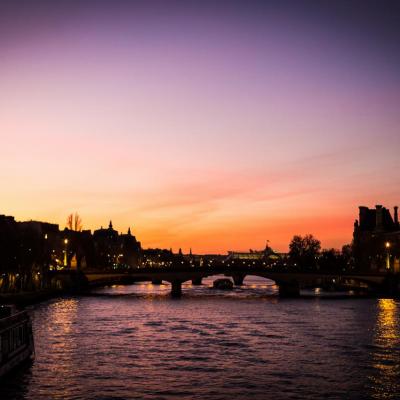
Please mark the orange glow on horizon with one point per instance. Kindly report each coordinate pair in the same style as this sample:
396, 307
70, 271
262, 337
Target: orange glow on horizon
239, 233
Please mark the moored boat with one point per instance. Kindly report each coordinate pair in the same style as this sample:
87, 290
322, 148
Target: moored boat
16, 338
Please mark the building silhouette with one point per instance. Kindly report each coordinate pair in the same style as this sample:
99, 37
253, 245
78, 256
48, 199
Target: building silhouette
31, 250
376, 239
114, 250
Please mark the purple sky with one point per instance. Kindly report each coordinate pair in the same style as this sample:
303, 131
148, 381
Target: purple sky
212, 126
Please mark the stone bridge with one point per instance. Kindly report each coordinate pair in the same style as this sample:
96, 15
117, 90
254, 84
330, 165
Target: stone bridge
289, 283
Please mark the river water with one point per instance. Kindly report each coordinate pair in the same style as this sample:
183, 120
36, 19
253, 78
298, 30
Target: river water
135, 342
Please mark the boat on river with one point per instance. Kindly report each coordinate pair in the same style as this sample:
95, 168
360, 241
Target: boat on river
223, 284
16, 338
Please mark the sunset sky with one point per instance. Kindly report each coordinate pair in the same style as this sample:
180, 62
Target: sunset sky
212, 125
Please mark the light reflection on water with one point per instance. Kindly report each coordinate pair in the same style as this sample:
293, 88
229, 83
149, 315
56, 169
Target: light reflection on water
135, 342
386, 350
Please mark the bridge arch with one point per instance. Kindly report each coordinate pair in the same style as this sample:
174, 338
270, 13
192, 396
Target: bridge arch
289, 283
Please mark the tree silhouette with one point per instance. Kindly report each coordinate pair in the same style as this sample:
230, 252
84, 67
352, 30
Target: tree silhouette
74, 222
304, 251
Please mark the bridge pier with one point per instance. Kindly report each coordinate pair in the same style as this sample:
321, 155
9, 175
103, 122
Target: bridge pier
156, 281
176, 289
196, 281
289, 289
238, 279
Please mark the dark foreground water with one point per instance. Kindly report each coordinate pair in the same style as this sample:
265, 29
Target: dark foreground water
134, 342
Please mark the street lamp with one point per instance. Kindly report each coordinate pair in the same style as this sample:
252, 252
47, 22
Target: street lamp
65, 252
387, 245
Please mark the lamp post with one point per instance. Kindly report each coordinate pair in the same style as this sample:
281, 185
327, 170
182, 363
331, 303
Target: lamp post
65, 253
46, 262
387, 245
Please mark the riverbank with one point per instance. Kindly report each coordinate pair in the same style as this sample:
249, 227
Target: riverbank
23, 299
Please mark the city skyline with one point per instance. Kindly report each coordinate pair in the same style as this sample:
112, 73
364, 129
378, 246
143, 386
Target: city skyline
203, 126
73, 224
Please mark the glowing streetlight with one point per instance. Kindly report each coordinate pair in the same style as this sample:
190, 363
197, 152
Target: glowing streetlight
387, 245
65, 252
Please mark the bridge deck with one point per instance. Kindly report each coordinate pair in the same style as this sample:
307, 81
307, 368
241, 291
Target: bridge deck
285, 280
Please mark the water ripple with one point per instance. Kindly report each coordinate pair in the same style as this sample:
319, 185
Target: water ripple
134, 342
